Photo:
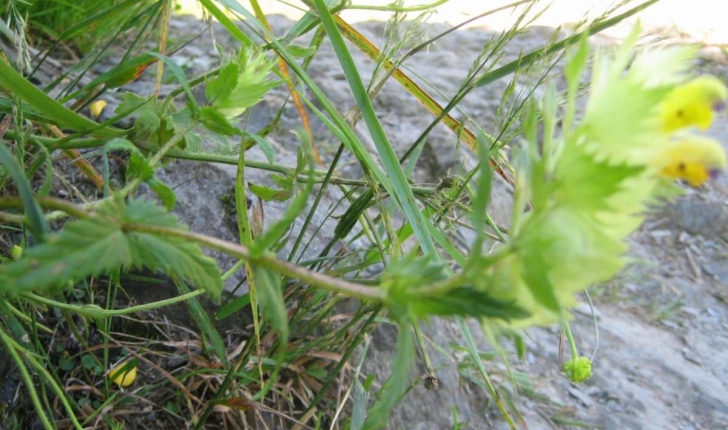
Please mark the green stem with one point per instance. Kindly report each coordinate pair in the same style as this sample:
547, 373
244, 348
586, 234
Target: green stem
25, 318
62, 207
97, 312
423, 349
27, 379
475, 354
572, 343
48, 378
442, 287
268, 261
393, 8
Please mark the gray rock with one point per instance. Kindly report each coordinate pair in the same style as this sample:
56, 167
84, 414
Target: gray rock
706, 218
580, 396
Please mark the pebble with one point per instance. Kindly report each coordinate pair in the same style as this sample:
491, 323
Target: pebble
594, 391
580, 396
691, 356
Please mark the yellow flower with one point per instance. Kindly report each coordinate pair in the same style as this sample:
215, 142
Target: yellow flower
693, 104
693, 159
121, 376
97, 107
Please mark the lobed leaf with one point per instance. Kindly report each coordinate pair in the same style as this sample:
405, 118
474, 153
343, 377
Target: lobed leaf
99, 244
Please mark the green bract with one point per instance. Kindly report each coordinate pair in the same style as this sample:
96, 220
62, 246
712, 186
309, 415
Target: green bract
242, 82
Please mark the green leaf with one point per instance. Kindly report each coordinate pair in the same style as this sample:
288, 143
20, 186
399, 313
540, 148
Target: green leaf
585, 183
148, 120
181, 78
250, 85
99, 244
577, 63
89, 362
203, 321
268, 194
139, 167
230, 308
270, 297
179, 122
264, 145
285, 182
164, 192
128, 71
535, 272
223, 82
66, 363
216, 122
466, 301
349, 219
301, 51
397, 384
37, 222
17, 85
482, 195
280, 226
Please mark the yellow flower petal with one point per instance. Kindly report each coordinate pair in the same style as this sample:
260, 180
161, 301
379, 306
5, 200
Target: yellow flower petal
123, 377
693, 104
693, 159
97, 107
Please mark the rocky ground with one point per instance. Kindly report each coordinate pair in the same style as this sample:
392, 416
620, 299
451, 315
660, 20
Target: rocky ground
662, 358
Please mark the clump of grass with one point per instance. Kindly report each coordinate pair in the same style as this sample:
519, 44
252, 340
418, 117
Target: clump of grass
47, 20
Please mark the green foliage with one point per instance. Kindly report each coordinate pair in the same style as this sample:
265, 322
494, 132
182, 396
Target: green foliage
241, 83
270, 293
139, 167
52, 19
397, 384
466, 302
157, 125
38, 224
101, 244
575, 184
580, 189
590, 185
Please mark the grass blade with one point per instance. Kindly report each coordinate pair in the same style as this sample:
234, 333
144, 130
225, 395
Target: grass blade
36, 221
15, 83
402, 190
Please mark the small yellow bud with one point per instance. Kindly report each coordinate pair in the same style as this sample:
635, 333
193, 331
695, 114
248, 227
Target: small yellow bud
578, 369
121, 376
97, 107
